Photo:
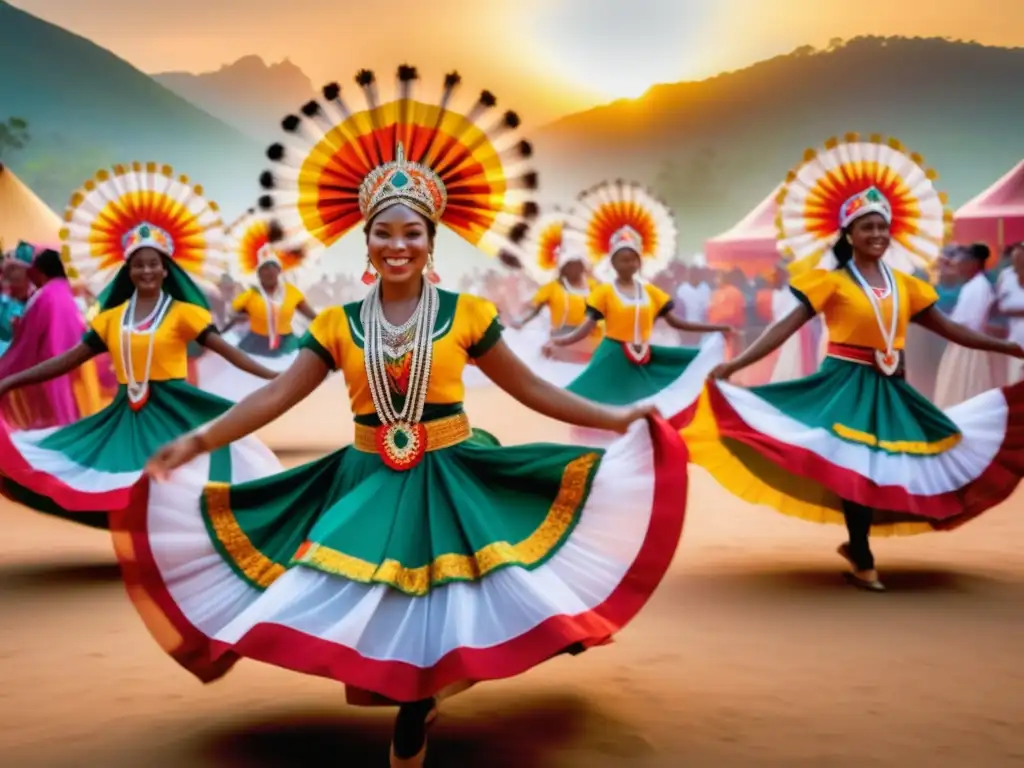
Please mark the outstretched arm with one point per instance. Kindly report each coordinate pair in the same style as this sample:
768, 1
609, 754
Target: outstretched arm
305, 310
250, 414
235, 319
519, 322
506, 370
773, 337
579, 333
936, 322
236, 357
685, 325
49, 369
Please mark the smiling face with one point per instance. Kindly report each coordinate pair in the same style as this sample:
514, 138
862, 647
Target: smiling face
626, 263
399, 242
870, 236
147, 271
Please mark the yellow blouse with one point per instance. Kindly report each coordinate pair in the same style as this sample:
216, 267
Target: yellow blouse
466, 327
252, 304
619, 314
182, 324
553, 295
847, 310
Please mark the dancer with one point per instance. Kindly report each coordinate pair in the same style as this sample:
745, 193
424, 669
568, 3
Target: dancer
631, 231
269, 307
51, 326
17, 288
854, 442
425, 556
149, 312
964, 372
1010, 295
565, 285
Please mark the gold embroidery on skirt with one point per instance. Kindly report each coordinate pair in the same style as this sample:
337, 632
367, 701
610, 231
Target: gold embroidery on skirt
917, 447
256, 566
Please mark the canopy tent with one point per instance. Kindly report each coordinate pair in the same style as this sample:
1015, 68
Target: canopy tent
750, 244
996, 216
23, 216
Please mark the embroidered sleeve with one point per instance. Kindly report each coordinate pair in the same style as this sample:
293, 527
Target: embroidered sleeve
194, 322
920, 295
597, 303
813, 289
323, 337
484, 324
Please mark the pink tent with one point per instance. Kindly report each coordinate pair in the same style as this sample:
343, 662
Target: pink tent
996, 216
750, 244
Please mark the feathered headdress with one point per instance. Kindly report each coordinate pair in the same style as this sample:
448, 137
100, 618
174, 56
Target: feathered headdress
251, 240
342, 164
849, 178
129, 207
621, 214
545, 251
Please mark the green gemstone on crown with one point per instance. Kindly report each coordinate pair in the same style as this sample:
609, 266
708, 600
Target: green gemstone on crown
874, 195
144, 231
399, 180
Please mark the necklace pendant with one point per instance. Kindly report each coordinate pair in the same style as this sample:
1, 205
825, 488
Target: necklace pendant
887, 361
401, 445
138, 395
640, 354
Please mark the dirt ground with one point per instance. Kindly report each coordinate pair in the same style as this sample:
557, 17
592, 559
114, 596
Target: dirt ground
754, 652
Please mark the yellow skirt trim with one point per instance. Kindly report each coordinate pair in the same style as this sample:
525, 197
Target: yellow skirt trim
750, 476
914, 447
263, 571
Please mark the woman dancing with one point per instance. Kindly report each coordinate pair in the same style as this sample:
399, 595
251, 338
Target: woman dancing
854, 443
268, 307
51, 325
565, 284
624, 225
425, 556
149, 312
17, 289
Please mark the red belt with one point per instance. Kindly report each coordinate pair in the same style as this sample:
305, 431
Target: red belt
855, 354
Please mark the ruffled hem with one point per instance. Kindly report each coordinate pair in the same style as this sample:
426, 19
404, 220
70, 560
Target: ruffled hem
766, 458
372, 637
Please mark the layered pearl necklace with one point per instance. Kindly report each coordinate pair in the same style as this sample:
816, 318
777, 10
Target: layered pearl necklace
401, 438
138, 391
639, 351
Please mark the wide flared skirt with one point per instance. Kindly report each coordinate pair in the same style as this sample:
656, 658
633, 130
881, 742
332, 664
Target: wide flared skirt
849, 432
85, 470
219, 377
528, 344
479, 563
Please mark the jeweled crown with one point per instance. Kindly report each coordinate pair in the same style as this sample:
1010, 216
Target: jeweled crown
625, 237
146, 235
401, 181
870, 200
267, 255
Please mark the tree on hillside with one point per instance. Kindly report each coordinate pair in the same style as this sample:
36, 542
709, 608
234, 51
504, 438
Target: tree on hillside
13, 135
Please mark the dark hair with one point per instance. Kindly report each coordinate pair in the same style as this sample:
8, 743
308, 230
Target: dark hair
48, 263
843, 248
979, 252
431, 226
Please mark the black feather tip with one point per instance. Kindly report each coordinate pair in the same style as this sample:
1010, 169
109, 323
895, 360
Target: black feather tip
267, 180
266, 202
511, 119
530, 210
365, 77
310, 109
518, 232
407, 73
488, 99
331, 91
275, 232
275, 152
530, 180
525, 148
510, 260
291, 123
452, 79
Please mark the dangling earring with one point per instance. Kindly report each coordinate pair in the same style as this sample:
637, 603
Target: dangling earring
432, 276
849, 240
369, 276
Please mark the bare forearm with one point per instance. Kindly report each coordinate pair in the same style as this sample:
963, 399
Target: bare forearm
578, 334
52, 368
685, 325
935, 321
773, 337
237, 357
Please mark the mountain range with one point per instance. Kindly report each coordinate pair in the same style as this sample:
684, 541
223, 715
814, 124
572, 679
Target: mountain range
713, 149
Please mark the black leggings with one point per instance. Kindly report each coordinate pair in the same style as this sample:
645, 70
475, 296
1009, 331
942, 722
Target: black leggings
411, 728
858, 526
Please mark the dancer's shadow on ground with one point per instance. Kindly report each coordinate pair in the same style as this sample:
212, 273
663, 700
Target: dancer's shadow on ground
29, 581
507, 736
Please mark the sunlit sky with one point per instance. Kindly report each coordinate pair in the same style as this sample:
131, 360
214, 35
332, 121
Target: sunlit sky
546, 57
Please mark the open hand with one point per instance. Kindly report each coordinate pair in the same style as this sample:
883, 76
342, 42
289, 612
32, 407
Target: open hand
721, 371
171, 456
